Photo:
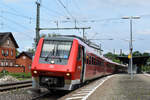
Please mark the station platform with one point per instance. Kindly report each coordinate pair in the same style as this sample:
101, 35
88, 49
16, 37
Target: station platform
116, 87
121, 87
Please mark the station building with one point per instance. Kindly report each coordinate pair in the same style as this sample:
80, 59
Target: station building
8, 59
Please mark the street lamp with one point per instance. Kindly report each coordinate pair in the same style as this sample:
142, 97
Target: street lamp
131, 46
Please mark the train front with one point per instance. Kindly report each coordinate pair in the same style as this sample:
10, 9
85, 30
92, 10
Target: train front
54, 63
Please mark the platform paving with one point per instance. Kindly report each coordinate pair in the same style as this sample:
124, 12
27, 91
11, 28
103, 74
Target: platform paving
121, 87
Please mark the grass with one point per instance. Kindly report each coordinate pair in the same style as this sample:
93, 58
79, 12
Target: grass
20, 76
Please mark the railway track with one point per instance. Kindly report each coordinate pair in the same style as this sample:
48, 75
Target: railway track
16, 85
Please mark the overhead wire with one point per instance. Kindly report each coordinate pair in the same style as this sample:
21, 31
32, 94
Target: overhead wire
19, 15
20, 25
51, 10
61, 3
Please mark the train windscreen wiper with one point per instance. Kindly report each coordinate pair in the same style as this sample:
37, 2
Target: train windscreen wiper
57, 53
53, 52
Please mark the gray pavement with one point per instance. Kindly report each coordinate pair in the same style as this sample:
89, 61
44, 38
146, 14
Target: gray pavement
121, 87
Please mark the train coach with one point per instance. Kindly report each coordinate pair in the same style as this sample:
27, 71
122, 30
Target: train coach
66, 62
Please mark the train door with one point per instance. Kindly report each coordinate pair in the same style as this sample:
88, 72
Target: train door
82, 78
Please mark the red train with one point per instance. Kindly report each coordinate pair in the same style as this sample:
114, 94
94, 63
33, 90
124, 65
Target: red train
66, 62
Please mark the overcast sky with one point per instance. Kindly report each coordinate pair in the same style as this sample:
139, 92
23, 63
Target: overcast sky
103, 16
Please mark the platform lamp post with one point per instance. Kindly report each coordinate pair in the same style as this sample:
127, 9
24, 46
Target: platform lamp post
131, 46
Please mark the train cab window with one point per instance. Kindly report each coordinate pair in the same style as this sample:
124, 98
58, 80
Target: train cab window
79, 53
56, 49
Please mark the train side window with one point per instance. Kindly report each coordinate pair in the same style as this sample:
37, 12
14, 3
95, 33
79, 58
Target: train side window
89, 59
92, 60
96, 61
79, 53
100, 63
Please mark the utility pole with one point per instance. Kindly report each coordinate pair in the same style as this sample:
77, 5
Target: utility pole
120, 52
37, 23
83, 33
114, 51
131, 45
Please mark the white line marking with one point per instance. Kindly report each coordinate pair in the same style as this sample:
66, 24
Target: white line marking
74, 98
83, 92
80, 94
147, 74
86, 89
89, 91
96, 87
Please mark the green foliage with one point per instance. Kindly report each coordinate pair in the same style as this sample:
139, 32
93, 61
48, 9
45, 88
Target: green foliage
137, 53
31, 50
145, 68
17, 75
146, 54
113, 57
17, 52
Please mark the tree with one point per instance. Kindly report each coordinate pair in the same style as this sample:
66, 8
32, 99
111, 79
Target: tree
31, 50
146, 54
137, 53
17, 52
112, 56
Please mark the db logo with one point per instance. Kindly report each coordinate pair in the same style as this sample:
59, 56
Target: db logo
51, 66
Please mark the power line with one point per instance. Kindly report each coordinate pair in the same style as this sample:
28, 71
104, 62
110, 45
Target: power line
12, 21
66, 9
51, 10
4, 5
19, 15
28, 36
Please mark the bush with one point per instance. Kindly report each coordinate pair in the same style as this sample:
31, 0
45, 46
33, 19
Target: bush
21, 75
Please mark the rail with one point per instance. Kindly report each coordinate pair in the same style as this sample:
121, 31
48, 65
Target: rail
15, 85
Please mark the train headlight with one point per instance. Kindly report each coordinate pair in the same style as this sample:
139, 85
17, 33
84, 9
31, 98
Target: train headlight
35, 72
67, 74
52, 62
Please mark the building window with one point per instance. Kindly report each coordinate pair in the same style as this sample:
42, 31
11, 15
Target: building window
11, 52
11, 64
24, 57
2, 63
29, 66
8, 42
6, 63
2, 52
7, 52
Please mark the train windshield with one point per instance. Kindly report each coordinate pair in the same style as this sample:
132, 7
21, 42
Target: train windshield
56, 49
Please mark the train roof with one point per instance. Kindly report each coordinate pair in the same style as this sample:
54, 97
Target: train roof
71, 37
